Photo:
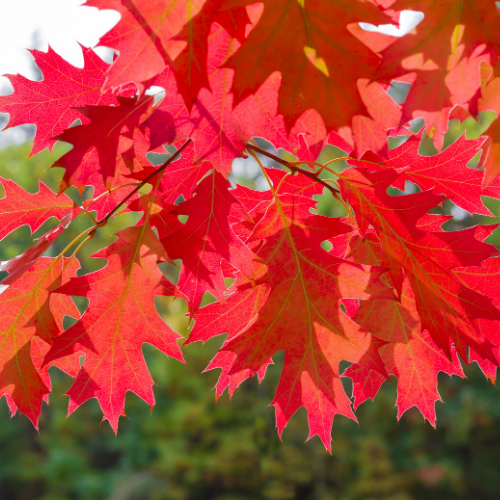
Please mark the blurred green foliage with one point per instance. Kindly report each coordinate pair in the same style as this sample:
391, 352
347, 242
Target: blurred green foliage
192, 448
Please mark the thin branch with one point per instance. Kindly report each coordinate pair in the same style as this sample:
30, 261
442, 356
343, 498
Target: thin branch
294, 168
269, 155
93, 200
104, 221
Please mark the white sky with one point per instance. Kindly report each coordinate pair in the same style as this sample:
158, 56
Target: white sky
36, 24
62, 24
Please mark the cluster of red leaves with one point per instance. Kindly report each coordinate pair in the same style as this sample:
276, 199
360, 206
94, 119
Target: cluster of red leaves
396, 295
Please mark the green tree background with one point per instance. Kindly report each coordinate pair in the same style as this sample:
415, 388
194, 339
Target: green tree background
193, 448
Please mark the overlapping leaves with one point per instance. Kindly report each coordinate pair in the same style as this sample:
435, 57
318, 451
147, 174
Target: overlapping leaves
397, 296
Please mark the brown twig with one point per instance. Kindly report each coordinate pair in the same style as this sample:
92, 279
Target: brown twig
294, 168
104, 221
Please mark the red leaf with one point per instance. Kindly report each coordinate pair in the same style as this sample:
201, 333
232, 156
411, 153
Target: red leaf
410, 355
447, 308
446, 172
445, 51
19, 207
302, 317
151, 35
51, 104
121, 317
206, 239
25, 312
221, 131
99, 145
191, 65
144, 37
485, 280
319, 59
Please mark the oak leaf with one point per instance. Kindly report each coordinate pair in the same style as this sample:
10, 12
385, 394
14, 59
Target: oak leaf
302, 316
152, 35
207, 239
98, 146
120, 318
52, 103
26, 313
18, 207
447, 308
318, 57
445, 51
410, 355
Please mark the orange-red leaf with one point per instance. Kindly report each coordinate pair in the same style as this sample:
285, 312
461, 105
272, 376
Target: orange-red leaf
52, 103
18, 207
447, 308
302, 315
444, 51
207, 239
26, 313
318, 57
410, 355
121, 317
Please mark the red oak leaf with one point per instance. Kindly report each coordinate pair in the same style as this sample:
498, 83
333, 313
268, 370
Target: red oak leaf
218, 135
121, 317
445, 51
302, 316
144, 36
206, 239
41, 346
319, 59
190, 66
485, 280
447, 308
51, 104
98, 146
152, 35
446, 172
19, 207
410, 355
26, 313
217, 319
221, 131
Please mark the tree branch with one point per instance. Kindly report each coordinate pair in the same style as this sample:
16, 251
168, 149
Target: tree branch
104, 221
294, 168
